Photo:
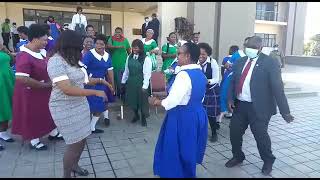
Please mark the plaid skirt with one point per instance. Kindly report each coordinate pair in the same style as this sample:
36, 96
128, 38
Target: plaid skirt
212, 101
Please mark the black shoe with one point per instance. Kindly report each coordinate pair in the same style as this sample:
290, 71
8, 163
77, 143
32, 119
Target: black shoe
107, 121
214, 138
81, 172
267, 168
233, 162
227, 116
1, 147
51, 138
218, 125
144, 122
98, 131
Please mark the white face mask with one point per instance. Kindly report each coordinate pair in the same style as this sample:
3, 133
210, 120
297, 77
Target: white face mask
251, 53
276, 49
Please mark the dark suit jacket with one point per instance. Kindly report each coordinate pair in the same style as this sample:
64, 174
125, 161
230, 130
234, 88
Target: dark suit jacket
144, 28
266, 86
155, 26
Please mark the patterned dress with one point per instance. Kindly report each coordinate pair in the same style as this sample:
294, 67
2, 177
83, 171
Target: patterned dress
71, 114
31, 115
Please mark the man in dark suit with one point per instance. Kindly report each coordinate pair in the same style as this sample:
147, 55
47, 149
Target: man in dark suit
155, 26
145, 27
255, 91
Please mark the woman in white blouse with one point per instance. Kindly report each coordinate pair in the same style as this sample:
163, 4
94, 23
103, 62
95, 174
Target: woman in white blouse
79, 22
211, 101
183, 135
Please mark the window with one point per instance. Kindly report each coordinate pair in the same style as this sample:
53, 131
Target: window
100, 22
267, 11
268, 40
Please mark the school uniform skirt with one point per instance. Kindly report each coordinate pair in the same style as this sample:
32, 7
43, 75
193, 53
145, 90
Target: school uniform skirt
212, 101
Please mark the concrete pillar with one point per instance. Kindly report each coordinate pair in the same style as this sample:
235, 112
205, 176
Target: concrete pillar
205, 22
295, 28
167, 12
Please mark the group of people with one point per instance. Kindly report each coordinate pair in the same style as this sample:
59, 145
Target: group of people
63, 88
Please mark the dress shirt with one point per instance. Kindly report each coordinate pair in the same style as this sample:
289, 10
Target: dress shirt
147, 69
76, 20
180, 91
215, 70
245, 95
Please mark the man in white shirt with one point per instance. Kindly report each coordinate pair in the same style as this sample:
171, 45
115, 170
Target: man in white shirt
256, 89
79, 22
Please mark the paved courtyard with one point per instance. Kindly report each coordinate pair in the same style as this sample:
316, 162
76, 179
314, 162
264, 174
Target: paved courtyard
126, 149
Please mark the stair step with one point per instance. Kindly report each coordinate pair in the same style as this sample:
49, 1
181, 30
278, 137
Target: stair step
292, 89
301, 94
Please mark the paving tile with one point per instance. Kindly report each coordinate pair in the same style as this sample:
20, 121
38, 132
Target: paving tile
124, 172
97, 152
102, 167
99, 159
303, 168
119, 164
105, 174
251, 169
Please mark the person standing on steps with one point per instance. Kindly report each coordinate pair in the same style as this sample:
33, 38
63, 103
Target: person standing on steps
99, 65
136, 81
256, 89
212, 98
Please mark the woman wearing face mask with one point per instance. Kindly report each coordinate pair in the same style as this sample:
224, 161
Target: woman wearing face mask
136, 79
212, 99
98, 63
87, 45
183, 135
169, 53
151, 48
120, 48
31, 115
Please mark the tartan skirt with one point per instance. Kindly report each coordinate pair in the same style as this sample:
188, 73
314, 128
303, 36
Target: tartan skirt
212, 101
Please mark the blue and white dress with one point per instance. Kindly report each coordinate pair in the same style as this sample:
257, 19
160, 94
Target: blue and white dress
183, 135
97, 67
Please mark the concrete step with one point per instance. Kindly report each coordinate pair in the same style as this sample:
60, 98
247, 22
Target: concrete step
301, 94
292, 89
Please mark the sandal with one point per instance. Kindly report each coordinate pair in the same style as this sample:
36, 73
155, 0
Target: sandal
56, 137
80, 171
39, 146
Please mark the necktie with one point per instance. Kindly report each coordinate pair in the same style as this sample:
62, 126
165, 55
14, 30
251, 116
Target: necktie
243, 77
202, 66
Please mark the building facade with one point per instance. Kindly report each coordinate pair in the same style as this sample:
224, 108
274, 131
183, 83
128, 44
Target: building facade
221, 24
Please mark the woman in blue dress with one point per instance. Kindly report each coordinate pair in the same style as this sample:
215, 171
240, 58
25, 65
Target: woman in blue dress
183, 135
98, 63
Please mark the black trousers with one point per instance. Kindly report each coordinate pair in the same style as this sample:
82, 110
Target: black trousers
15, 40
6, 38
214, 125
243, 116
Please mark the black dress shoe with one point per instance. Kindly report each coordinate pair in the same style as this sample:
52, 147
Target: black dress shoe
1, 147
97, 131
107, 121
267, 168
233, 162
